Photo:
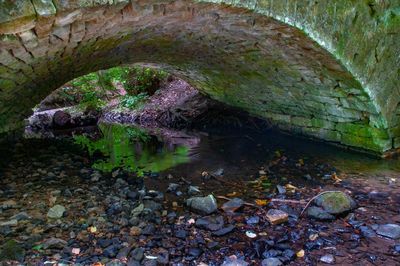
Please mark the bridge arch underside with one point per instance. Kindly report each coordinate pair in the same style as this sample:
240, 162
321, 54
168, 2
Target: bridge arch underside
248, 60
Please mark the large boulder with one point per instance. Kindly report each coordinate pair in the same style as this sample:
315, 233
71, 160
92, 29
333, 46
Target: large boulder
335, 202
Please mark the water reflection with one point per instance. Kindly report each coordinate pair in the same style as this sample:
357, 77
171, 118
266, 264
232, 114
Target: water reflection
136, 149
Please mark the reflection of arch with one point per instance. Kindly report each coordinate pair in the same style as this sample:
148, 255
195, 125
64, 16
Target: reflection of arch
243, 58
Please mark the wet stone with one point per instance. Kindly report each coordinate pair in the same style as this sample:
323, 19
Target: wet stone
319, 213
329, 259
212, 223
137, 254
203, 205
277, 216
56, 212
233, 261
253, 220
232, 205
367, 232
224, 231
172, 187
54, 243
20, 216
389, 230
182, 234
194, 252
271, 262
335, 202
193, 190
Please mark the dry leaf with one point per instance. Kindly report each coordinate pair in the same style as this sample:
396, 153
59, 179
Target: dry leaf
300, 253
261, 202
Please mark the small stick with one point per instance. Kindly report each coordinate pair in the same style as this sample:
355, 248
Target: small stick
272, 200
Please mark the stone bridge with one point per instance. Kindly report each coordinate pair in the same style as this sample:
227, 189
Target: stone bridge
329, 69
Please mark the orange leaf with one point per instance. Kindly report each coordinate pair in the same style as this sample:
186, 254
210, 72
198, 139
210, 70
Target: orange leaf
262, 202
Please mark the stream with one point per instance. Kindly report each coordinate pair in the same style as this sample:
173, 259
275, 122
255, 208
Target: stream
117, 196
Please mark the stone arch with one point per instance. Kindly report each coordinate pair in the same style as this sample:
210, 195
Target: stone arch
327, 69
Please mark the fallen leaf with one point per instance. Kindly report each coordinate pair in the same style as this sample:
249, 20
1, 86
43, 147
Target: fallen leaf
233, 194
300, 253
92, 229
261, 202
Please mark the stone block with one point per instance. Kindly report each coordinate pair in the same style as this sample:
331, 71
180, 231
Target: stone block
64, 18
44, 8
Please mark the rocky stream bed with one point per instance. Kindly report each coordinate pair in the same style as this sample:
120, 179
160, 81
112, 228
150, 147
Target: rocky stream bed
55, 209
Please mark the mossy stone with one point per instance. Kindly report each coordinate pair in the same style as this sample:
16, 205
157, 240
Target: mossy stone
11, 250
335, 202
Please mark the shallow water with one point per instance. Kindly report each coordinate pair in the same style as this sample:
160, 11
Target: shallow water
237, 151
36, 173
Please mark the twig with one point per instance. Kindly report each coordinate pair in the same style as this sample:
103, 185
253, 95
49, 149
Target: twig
272, 200
312, 199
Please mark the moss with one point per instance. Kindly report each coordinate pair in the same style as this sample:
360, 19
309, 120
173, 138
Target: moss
11, 250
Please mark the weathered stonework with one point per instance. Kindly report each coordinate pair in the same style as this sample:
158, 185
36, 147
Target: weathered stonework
326, 69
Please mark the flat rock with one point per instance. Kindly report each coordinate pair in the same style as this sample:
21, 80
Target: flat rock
389, 230
232, 205
275, 216
12, 222
212, 223
329, 259
271, 262
335, 202
56, 212
233, 261
224, 231
8, 204
203, 205
54, 243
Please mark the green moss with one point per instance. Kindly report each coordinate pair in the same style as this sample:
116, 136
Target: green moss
11, 250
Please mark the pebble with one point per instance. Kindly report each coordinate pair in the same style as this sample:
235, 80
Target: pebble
234, 261
193, 190
271, 262
329, 259
20, 216
212, 223
224, 231
54, 243
253, 220
232, 205
56, 212
203, 205
275, 216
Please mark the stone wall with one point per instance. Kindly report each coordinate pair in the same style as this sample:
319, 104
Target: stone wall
327, 69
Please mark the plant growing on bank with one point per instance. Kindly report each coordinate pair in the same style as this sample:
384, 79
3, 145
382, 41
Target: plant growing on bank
134, 101
92, 91
144, 79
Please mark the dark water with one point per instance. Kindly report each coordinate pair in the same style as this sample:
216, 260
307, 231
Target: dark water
237, 151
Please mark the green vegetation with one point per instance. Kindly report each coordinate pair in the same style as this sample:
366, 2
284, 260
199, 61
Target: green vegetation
132, 149
92, 91
133, 101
